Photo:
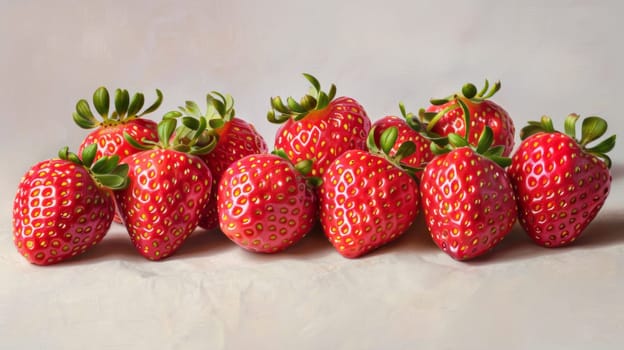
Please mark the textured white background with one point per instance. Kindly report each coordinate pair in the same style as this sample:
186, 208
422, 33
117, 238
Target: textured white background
553, 58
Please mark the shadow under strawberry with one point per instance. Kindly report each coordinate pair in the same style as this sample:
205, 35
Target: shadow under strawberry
204, 243
416, 240
116, 245
601, 233
617, 171
604, 231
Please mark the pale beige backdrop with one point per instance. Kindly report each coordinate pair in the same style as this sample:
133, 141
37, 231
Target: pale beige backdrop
553, 57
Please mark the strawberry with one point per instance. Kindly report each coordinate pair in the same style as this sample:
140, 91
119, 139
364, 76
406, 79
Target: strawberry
445, 116
467, 198
560, 183
109, 133
265, 202
423, 153
368, 199
236, 139
319, 127
168, 188
64, 206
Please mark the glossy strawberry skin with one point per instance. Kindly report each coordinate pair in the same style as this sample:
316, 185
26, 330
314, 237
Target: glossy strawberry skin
237, 139
265, 205
486, 113
366, 202
166, 193
423, 153
59, 212
468, 203
559, 188
110, 139
325, 134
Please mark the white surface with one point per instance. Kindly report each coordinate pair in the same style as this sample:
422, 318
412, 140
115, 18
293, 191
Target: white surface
553, 57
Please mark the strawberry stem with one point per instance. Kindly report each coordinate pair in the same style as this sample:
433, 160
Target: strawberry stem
125, 108
106, 171
316, 99
411, 119
493, 91
387, 141
468, 93
304, 167
593, 128
484, 89
466, 114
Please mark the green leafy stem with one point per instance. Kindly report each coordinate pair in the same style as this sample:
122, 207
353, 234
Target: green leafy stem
126, 108
304, 167
106, 170
387, 141
468, 93
484, 144
592, 129
316, 99
180, 139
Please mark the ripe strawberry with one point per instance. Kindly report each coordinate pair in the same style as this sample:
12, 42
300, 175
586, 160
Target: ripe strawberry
445, 116
560, 183
265, 203
423, 153
109, 133
168, 189
64, 206
467, 198
236, 139
368, 199
319, 128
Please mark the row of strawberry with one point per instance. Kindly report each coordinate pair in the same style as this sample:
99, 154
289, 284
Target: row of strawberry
366, 182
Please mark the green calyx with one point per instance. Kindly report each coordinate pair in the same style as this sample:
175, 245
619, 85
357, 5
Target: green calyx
107, 171
199, 132
417, 125
592, 129
220, 110
387, 140
441, 145
468, 93
412, 120
126, 108
484, 147
316, 99
304, 167
452, 141
181, 139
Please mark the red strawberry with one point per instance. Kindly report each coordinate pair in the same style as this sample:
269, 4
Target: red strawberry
319, 128
109, 133
64, 206
265, 203
367, 199
445, 116
560, 183
467, 198
236, 139
168, 189
423, 153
